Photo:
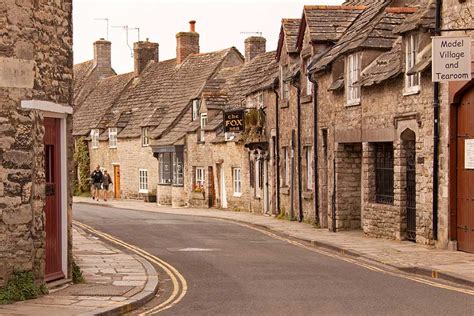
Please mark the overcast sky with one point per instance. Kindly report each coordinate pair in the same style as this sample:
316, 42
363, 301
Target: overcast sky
219, 23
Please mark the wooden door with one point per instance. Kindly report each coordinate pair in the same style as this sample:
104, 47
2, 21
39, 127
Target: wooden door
52, 163
465, 173
211, 188
117, 181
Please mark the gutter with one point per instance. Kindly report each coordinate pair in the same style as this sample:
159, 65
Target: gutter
317, 220
277, 156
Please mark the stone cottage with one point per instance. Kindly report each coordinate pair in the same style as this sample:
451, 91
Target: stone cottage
374, 120
125, 115
235, 168
35, 139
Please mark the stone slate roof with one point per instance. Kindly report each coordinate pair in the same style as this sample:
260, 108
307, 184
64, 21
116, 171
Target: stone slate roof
255, 73
135, 104
424, 18
99, 101
373, 29
386, 66
188, 83
326, 23
288, 34
81, 71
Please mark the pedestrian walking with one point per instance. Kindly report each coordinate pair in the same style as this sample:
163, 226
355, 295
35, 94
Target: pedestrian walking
106, 181
96, 180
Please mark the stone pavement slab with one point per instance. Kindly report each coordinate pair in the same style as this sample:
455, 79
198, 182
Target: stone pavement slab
114, 281
455, 266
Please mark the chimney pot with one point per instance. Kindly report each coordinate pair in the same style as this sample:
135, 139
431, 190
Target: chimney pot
192, 26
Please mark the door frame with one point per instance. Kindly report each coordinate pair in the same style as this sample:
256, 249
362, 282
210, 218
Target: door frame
61, 112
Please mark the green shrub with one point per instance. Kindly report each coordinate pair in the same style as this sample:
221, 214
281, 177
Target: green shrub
77, 276
21, 287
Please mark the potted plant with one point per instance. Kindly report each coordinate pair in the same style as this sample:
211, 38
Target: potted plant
198, 192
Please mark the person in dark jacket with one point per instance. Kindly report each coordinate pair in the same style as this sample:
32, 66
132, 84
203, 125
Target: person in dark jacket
96, 181
106, 181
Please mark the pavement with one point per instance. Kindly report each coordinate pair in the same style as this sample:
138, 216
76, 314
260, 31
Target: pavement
115, 282
454, 266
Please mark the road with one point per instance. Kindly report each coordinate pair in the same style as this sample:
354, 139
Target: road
235, 270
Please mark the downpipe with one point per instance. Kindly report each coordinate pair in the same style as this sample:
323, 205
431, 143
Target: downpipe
315, 152
277, 140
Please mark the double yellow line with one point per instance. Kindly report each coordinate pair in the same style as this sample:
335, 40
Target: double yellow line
359, 263
180, 286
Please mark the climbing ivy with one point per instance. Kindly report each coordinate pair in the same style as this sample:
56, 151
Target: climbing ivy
82, 163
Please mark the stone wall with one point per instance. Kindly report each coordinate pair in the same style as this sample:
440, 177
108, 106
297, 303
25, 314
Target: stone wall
131, 156
36, 37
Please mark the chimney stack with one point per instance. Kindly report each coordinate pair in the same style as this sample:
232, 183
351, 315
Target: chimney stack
102, 54
143, 53
187, 43
254, 46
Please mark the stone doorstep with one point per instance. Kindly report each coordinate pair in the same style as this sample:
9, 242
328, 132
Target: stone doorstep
324, 243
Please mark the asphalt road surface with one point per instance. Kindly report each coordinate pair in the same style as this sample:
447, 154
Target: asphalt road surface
235, 270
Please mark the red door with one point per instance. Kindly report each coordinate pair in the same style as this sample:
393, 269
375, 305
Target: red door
52, 163
465, 173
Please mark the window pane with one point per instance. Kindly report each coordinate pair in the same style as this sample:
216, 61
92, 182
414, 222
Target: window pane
384, 191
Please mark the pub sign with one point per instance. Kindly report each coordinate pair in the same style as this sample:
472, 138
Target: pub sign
234, 121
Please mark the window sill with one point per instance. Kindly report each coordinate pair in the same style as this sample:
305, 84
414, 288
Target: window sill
308, 195
285, 190
306, 98
145, 145
143, 191
112, 147
353, 103
237, 195
165, 184
95, 147
411, 91
178, 185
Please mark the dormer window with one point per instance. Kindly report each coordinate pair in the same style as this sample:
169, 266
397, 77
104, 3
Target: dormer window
113, 137
95, 138
203, 124
145, 138
195, 109
412, 82
353, 67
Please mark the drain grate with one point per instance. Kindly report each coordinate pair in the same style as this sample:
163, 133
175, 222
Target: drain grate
95, 290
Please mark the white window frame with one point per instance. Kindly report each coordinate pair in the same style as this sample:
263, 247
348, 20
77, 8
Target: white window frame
112, 137
142, 181
203, 125
260, 101
285, 91
200, 176
195, 109
257, 178
145, 138
309, 84
237, 181
309, 167
95, 138
412, 82
353, 69
286, 153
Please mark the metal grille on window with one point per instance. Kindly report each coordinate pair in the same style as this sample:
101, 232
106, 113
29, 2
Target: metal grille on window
384, 173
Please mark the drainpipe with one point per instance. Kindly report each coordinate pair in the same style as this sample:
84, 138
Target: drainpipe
315, 151
300, 191
277, 130
439, 4
334, 228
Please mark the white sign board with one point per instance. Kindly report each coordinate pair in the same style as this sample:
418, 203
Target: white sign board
451, 58
469, 154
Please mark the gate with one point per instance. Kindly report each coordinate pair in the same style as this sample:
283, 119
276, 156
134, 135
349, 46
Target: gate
411, 190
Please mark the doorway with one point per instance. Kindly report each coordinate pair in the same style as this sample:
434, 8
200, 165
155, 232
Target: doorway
52, 208
222, 189
409, 150
117, 181
212, 188
465, 173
